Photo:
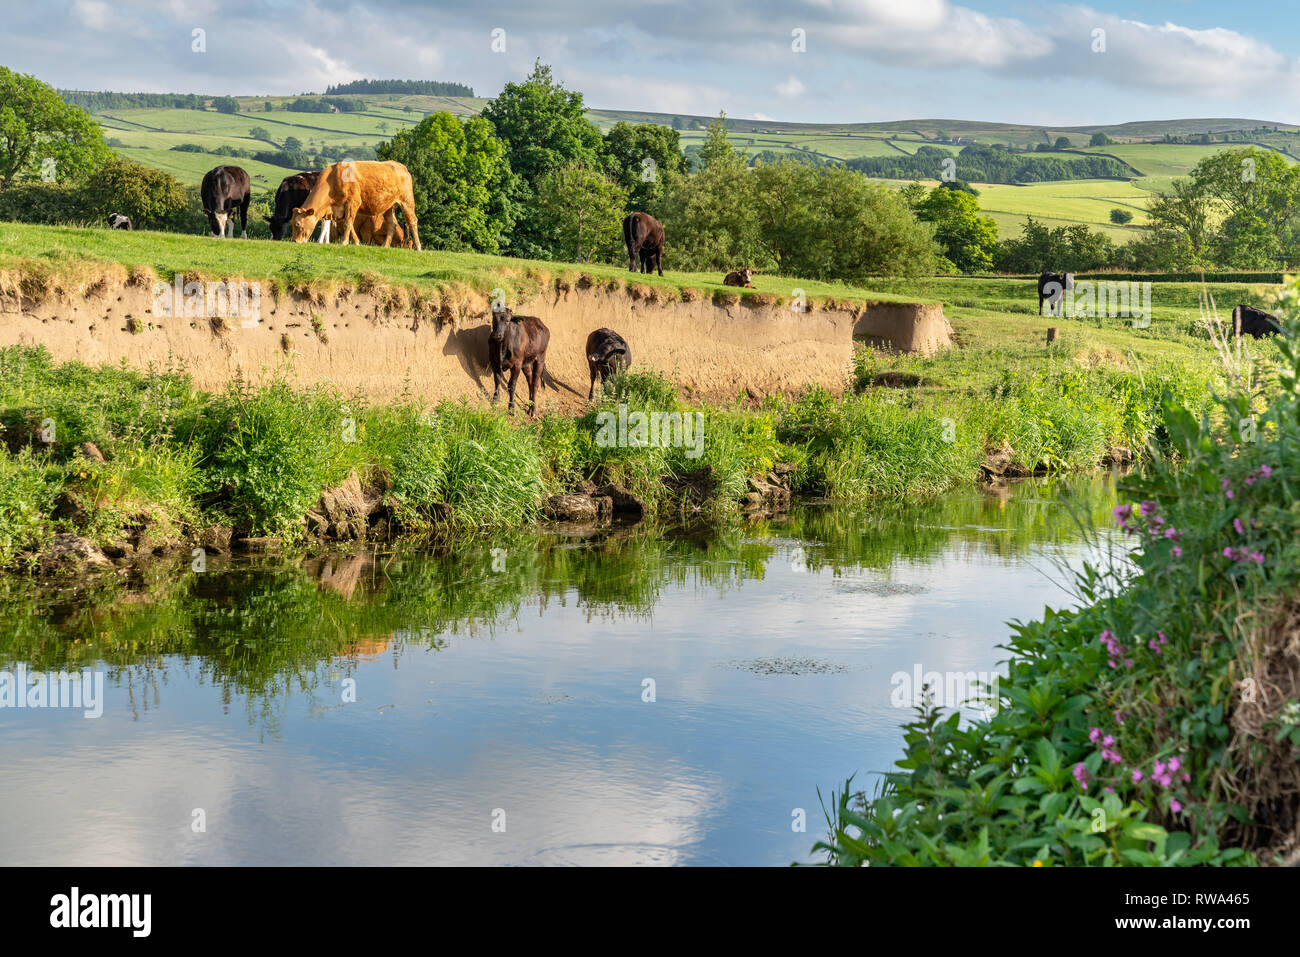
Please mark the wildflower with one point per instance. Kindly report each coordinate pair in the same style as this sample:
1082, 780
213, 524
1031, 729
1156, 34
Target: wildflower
1174, 764
1257, 558
1119, 717
1147, 508
1265, 471
1081, 775
1137, 776
1171, 532
1158, 768
1109, 741
1176, 551
1175, 806
1094, 734
1122, 514
1241, 529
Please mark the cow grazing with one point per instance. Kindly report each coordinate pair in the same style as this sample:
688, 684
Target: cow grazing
118, 221
292, 191
1051, 288
224, 190
1249, 321
346, 191
644, 237
740, 277
517, 343
607, 354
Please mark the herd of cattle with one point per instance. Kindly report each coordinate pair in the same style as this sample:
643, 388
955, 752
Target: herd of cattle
1246, 320
361, 198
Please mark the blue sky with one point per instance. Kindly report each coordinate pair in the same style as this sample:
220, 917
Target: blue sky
1008, 60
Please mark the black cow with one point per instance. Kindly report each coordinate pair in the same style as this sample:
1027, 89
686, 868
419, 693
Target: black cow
739, 277
224, 190
118, 221
291, 194
607, 353
517, 343
1247, 320
1051, 287
644, 237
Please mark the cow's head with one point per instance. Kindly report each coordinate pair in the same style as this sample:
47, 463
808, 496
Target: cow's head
501, 319
747, 274
304, 222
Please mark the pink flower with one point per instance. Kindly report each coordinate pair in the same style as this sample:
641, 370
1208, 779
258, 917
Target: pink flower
1241, 529
1123, 513
1081, 775
1137, 776
1265, 471
1175, 806
1176, 551
1119, 717
1158, 768
1094, 734
1174, 764
1108, 741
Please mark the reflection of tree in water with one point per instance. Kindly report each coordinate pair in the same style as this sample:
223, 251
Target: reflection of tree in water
263, 628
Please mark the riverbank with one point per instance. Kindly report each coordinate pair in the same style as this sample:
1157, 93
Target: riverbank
110, 465
1158, 724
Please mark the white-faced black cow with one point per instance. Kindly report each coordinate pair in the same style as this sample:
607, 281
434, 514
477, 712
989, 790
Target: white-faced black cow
1052, 287
290, 195
517, 343
607, 354
119, 221
1249, 321
739, 277
224, 190
644, 237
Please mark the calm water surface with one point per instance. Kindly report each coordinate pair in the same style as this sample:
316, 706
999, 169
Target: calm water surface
505, 682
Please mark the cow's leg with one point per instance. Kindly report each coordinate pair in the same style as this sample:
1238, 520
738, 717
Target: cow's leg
243, 216
497, 381
324, 231
534, 382
514, 379
591, 390
631, 258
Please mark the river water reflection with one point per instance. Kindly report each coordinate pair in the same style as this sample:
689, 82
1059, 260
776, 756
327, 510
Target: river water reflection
502, 710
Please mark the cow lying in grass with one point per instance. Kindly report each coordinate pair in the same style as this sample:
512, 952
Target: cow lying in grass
517, 344
740, 277
607, 354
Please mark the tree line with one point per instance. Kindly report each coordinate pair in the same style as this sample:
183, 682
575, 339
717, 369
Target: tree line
990, 164
420, 87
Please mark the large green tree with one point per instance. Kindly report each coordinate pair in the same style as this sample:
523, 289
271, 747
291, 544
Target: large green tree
968, 239
42, 137
646, 160
461, 179
152, 198
544, 127
582, 209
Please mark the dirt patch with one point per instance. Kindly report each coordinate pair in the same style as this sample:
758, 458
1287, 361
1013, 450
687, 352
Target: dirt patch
385, 342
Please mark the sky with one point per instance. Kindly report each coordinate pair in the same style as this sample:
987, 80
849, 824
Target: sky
792, 60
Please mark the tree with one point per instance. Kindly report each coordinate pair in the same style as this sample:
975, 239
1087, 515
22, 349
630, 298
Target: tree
267, 107
1100, 139
1180, 225
150, 197
717, 148
41, 136
1062, 143
1120, 216
645, 160
582, 209
461, 181
543, 127
291, 144
225, 104
260, 133
1063, 249
967, 239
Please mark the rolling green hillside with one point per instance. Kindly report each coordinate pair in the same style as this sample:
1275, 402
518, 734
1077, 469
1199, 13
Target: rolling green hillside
149, 135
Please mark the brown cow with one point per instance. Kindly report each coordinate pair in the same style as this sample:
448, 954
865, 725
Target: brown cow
740, 277
351, 189
517, 343
644, 237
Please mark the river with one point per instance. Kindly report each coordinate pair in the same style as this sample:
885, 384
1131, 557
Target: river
639, 695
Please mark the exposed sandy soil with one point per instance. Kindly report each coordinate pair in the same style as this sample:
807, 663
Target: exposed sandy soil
373, 343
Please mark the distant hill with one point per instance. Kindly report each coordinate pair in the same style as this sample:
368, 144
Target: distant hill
1142, 156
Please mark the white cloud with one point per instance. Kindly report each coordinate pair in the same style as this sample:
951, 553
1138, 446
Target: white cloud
791, 87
